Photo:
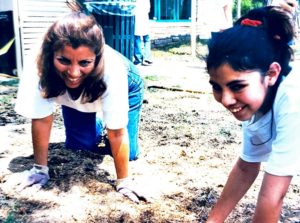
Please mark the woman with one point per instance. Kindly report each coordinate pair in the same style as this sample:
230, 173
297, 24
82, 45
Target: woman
100, 92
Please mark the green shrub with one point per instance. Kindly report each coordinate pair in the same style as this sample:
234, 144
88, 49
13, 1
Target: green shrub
247, 5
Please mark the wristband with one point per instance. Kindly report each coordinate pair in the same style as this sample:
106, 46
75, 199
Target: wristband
120, 183
40, 169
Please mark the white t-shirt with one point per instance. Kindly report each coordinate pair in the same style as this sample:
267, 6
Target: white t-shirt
279, 148
217, 19
142, 23
112, 106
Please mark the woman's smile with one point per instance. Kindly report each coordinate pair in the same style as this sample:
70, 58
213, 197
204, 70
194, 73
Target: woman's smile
72, 82
74, 65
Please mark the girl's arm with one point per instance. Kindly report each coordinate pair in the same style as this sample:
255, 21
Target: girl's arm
119, 143
239, 181
40, 130
270, 198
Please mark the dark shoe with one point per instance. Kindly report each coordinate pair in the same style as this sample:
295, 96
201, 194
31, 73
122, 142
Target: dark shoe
145, 63
148, 61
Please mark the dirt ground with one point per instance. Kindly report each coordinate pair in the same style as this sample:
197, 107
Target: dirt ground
189, 144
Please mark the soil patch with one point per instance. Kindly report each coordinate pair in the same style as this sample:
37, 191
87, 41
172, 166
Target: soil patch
189, 144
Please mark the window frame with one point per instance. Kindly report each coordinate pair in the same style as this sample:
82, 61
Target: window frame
156, 14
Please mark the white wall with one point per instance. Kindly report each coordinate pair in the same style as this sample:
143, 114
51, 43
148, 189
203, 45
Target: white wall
6, 5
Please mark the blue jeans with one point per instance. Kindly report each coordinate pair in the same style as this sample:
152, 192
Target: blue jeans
142, 49
85, 131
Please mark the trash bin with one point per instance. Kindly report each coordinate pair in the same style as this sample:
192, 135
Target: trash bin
116, 17
7, 45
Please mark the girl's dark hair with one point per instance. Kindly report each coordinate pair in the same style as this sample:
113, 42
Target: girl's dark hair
250, 47
75, 29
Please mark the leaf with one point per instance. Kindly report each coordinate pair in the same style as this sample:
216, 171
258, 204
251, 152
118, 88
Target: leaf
6, 47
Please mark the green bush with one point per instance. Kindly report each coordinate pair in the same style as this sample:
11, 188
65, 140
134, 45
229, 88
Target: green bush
246, 5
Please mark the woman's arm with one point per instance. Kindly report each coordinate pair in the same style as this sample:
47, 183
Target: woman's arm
40, 130
271, 197
239, 181
119, 143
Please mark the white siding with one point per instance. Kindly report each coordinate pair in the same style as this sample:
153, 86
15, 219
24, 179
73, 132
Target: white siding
35, 17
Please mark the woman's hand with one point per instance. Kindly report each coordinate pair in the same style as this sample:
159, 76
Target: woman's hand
129, 189
36, 177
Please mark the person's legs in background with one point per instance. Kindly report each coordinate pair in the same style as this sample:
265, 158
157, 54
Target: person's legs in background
138, 51
136, 95
147, 50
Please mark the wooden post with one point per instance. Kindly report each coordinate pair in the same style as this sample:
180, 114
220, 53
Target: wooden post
14, 6
238, 15
193, 28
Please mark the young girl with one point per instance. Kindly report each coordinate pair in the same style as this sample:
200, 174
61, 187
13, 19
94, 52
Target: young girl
97, 87
251, 76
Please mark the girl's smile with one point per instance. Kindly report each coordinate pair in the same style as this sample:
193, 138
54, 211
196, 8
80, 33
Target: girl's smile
242, 92
74, 65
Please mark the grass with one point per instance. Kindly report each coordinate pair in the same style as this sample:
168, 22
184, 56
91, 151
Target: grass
183, 51
151, 78
12, 82
10, 218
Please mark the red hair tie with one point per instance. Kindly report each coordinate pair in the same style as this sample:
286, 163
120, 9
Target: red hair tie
250, 22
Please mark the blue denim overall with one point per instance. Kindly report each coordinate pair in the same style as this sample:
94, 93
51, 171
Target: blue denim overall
86, 131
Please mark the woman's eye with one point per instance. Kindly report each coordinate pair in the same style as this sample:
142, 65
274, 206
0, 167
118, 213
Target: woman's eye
64, 61
84, 63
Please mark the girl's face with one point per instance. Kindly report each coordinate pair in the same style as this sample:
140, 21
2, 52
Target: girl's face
242, 93
74, 65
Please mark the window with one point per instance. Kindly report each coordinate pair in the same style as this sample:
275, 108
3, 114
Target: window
170, 10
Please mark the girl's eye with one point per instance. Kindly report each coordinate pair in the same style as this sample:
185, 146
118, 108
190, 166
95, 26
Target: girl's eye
216, 87
64, 61
84, 63
237, 87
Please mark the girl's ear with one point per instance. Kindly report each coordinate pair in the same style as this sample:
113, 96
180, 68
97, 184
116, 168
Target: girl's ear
273, 73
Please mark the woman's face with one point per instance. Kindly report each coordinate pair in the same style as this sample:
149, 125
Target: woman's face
74, 65
242, 93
